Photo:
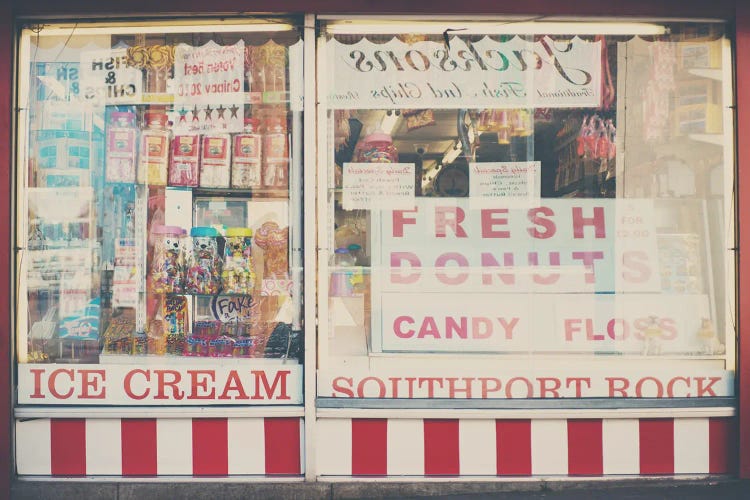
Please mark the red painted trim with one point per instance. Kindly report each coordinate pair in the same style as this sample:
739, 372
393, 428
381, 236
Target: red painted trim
369, 446
513, 447
138, 437
441, 455
531, 8
722, 446
283, 454
68, 446
656, 440
585, 455
742, 71
6, 263
210, 447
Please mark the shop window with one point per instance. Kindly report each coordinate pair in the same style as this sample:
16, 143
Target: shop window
526, 210
159, 214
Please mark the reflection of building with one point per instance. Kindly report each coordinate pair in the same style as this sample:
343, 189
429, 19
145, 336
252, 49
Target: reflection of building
547, 290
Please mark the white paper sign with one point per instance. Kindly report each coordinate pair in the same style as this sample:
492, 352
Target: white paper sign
511, 183
106, 78
373, 185
485, 73
208, 88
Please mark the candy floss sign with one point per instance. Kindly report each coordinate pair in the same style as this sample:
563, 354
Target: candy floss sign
159, 385
466, 279
463, 73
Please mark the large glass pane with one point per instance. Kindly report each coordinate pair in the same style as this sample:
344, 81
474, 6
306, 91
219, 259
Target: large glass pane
527, 210
160, 214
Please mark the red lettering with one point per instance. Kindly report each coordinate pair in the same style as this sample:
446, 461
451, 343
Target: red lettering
488, 260
707, 390
399, 219
338, 387
623, 386
486, 389
90, 379
52, 381
452, 389
127, 384
442, 221
280, 380
430, 384
37, 372
544, 389
611, 329
554, 260
442, 260
361, 387
398, 330
671, 383
657, 384
547, 224
571, 327
490, 218
233, 383
202, 384
578, 382
414, 262
588, 261
509, 387
579, 221
163, 383
635, 268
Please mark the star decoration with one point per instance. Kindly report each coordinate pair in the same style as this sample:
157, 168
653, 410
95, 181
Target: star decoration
220, 111
234, 108
195, 113
183, 114
208, 112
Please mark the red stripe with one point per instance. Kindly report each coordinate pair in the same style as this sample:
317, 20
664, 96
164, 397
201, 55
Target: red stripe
513, 447
283, 446
441, 447
585, 456
210, 447
68, 446
656, 440
138, 446
369, 446
722, 446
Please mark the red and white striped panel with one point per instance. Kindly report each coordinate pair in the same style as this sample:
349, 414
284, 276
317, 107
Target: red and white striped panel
576, 447
159, 446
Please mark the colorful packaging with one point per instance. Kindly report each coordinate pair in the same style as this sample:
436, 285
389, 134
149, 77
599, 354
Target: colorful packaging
215, 161
246, 157
184, 163
175, 313
154, 151
276, 155
238, 275
121, 152
376, 148
167, 266
203, 267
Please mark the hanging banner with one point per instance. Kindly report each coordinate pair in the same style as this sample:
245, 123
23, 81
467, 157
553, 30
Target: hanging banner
208, 88
462, 74
106, 78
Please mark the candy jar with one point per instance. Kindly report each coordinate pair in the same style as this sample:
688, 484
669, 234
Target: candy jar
215, 161
175, 313
167, 275
154, 153
238, 275
121, 152
183, 166
203, 269
376, 148
275, 155
246, 156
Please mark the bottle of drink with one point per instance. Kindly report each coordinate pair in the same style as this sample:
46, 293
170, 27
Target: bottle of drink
276, 155
246, 156
154, 153
121, 155
215, 161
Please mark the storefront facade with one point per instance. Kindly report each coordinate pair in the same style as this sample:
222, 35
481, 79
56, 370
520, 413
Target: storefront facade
326, 244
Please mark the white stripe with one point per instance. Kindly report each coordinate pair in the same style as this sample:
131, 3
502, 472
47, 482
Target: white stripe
477, 447
691, 446
34, 447
103, 447
246, 446
405, 447
620, 438
334, 453
549, 447
174, 446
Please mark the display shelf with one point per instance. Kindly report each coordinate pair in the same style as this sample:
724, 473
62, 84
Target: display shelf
239, 193
146, 359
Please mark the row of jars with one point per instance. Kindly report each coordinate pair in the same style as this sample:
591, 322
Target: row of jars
246, 160
194, 265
